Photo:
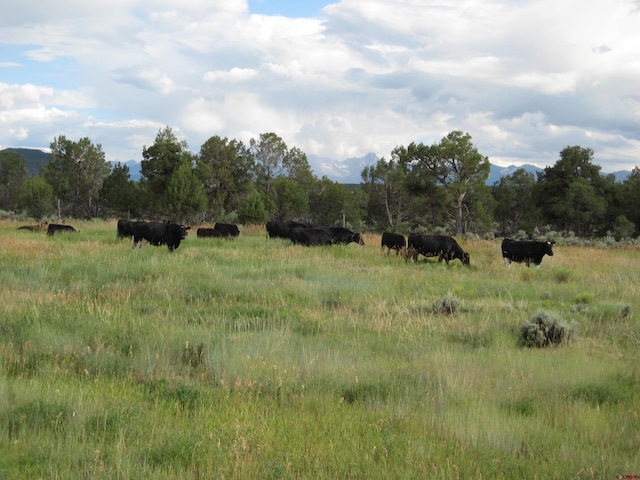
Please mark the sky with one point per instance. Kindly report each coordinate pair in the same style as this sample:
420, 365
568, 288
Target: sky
337, 79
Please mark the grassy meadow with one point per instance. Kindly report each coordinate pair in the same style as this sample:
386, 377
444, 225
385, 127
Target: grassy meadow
253, 358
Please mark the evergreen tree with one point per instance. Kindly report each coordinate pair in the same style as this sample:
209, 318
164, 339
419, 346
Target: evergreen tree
36, 197
184, 198
159, 162
515, 206
572, 195
252, 210
454, 164
329, 201
269, 152
13, 173
76, 172
121, 196
226, 169
385, 185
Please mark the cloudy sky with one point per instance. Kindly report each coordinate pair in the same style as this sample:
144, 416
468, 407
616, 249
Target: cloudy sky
337, 79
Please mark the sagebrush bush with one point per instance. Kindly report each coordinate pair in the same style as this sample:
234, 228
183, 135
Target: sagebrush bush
447, 305
544, 330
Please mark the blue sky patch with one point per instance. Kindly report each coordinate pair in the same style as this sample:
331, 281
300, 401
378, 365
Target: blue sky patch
17, 67
288, 8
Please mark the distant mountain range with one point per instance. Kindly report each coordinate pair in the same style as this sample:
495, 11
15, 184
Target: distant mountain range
346, 171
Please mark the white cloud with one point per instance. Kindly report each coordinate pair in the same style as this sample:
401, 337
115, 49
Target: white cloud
525, 79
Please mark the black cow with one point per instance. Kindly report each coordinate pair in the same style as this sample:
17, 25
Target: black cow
526, 251
310, 236
54, 228
227, 229
276, 229
441, 246
281, 229
124, 228
209, 233
169, 234
340, 235
393, 241
34, 228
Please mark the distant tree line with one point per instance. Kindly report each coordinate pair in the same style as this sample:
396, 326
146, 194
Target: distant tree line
438, 187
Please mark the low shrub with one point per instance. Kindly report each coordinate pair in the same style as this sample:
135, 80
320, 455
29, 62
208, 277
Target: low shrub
447, 305
544, 330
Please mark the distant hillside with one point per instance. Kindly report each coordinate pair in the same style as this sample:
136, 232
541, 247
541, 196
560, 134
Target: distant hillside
35, 158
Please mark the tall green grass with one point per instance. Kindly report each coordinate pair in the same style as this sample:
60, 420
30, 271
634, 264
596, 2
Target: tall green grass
253, 358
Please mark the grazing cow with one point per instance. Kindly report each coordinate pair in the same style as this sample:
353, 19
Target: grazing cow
209, 233
310, 236
441, 246
54, 228
393, 241
340, 235
526, 251
169, 234
343, 235
227, 229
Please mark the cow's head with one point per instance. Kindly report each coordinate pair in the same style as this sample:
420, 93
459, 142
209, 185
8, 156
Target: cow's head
357, 238
548, 248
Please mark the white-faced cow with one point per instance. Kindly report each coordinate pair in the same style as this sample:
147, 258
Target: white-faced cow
526, 251
441, 246
169, 234
393, 241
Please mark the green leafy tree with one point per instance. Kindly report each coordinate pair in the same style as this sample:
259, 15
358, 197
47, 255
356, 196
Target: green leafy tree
572, 194
385, 185
515, 202
623, 228
456, 165
329, 202
226, 169
288, 197
631, 193
253, 210
159, 162
275, 162
184, 198
269, 152
36, 197
13, 173
298, 169
76, 172
120, 195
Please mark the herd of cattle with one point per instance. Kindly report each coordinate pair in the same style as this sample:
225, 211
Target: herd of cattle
442, 246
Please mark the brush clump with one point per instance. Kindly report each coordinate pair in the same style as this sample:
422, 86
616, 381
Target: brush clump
545, 330
447, 305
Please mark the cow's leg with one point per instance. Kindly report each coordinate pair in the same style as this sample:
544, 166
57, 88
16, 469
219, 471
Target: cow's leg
507, 262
